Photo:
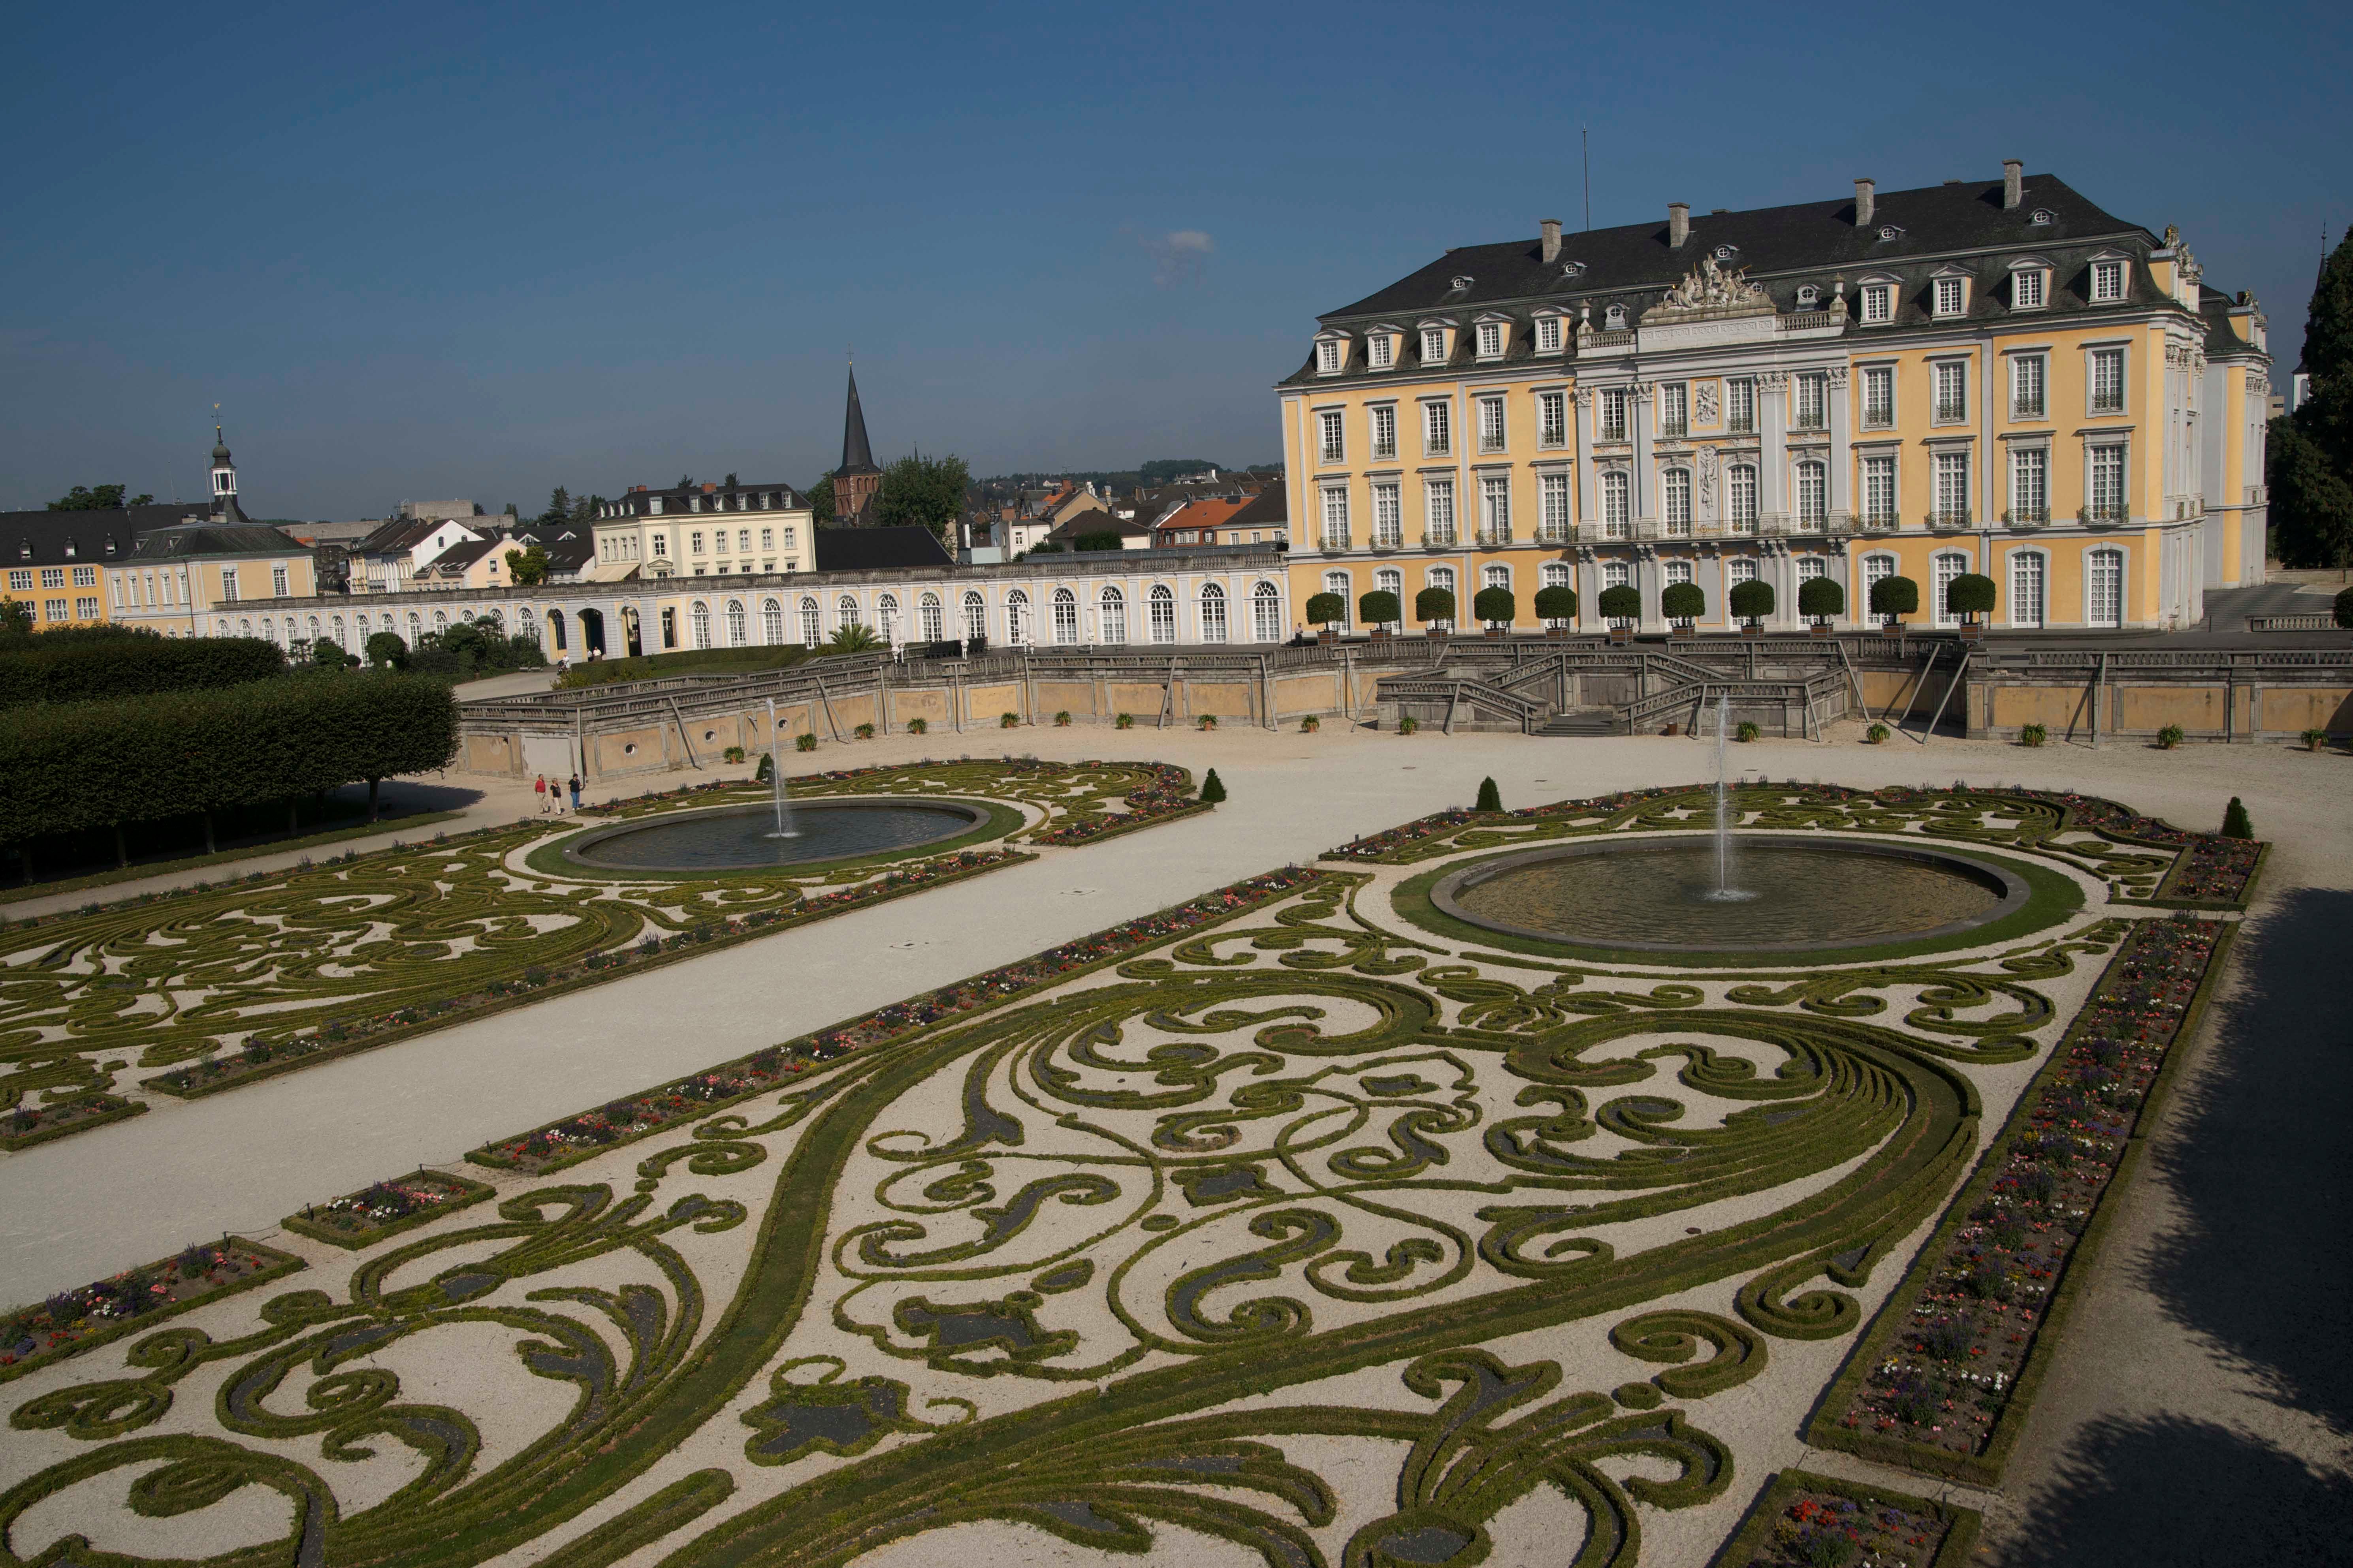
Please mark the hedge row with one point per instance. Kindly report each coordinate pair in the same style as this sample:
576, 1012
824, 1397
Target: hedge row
97, 671
69, 767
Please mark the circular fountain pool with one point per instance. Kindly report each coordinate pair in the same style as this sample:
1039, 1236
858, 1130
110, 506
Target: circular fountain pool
1786, 894
744, 838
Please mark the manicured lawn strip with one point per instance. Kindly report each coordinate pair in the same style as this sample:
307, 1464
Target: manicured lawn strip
197, 862
260, 1264
1827, 1429
98, 1111
216, 1074
345, 1222
997, 822
1754, 1542
776, 1064
2056, 897
673, 1508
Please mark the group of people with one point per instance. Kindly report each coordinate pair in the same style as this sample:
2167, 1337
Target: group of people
551, 795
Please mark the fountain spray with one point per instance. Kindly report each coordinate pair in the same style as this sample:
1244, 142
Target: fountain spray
785, 828
1724, 888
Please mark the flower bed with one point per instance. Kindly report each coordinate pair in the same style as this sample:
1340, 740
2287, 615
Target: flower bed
580, 1137
364, 1218
75, 1320
1803, 1520
1942, 1383
263, 1055
1168, 795
29, 1124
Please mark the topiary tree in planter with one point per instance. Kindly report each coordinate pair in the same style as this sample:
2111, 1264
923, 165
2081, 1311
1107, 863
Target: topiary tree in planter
1751, 601
1433, 606
1327, 610
1379, 609
1497, 607
1892, 597
1556, 604
1621, 604
1683, 602
1969, 596
1822, 600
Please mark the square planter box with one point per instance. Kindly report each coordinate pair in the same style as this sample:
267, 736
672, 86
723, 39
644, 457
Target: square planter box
1622, 634
1380, 634
1327, 636
1499, 631
1555, 631
1820, 630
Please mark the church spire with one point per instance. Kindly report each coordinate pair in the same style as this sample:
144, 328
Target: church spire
857, 452
224, 479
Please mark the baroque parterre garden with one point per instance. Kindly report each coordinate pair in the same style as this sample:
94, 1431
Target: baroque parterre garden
1357, 1213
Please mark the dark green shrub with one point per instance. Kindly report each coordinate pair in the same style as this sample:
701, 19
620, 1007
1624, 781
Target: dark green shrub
388, 650
1746, 731
2170, 737
1821, 599
805, 741
1101, 538
1379, 608
1557, 603
1326, 609
1497, 607
41, 670
1683, 602
2033, 735
2234, 821
1433, 605
1213, 789
1622, 603
1750, 601
1894, 596
1971, 595
1490, 798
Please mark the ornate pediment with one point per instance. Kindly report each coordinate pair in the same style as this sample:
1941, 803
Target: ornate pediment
1714, 288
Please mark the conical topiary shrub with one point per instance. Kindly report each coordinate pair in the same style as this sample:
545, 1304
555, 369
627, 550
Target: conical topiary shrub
2234, 821
1213, 789
1490, 798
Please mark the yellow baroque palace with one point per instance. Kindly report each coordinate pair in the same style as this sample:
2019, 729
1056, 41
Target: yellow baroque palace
1993, 377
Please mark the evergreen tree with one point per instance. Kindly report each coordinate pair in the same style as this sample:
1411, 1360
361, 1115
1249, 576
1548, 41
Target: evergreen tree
2309, 465
2234, 821
1490, 797
559, 506
1213, 790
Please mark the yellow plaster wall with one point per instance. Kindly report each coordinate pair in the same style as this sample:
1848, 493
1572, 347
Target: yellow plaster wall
2291, 711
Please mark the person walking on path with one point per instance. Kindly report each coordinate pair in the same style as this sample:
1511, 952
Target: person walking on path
576, 795
540, 789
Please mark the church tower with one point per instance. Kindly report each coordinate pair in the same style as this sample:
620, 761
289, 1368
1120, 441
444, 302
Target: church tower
224, 507
855, 482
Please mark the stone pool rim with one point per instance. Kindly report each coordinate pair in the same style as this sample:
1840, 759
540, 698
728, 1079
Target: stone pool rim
2015, 892
982, 820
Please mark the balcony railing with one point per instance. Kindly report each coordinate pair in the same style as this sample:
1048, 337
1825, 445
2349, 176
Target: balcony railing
1556, 534
1811, 421
1335, 539
1674, 426
1331, 455
1385, 451
1950, 521
1951, 413
1877, 521
2026, 408
2099, 515
2026, 516
1440, 538
1612, 432
1438, 448
1388, 538
1740, 425
2108, 404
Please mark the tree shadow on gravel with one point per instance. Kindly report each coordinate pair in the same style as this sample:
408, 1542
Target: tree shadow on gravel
2172, 1492
2258, 1265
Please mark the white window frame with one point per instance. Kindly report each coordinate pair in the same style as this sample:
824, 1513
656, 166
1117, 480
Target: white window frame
1440, 517
1949, 298
1552, 419
1494, 427
1331, 357
1380, 351
1617, 504
1617, 414
1491, 340
1548, 334
1675, 502
1811, 488
2094, 561
1741, 498
2035, 598
1740, 406
2098, 455
1891, 514
2109, 283
1813, 403
1953, 466
2033, 279
1437, 427
1433, 345
2030, 402
2029, 483
1552, 508
1160, 612
1940, 580
1388, 515
1674, 408
1877, 307
1878, 412
1331, 436
2094, 357
1334, 507
1494, 508
1266, 613
1381, 421
1942, 410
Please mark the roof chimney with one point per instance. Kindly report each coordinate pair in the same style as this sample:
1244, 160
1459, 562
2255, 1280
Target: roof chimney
1678, 224
1865, 200
2014, 183
1551, 240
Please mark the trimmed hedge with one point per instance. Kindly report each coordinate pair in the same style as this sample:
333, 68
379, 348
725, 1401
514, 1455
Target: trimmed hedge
101, 670
73, 766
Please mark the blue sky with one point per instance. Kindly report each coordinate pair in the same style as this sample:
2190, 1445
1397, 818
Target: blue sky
426, 251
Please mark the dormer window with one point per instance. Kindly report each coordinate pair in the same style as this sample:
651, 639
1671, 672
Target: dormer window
1380, 351
1491, 340
1726, 252
1951, 296
1433, 345
1878, 303
2108, 282
1889, 231
1327, 357
2029, 288
1810, 297
2043, 215
1614, 319
1572, 270
1461, 280
1547, 334
69, 547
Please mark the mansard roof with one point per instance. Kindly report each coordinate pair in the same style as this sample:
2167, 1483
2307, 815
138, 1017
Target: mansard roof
870, 549
45, 538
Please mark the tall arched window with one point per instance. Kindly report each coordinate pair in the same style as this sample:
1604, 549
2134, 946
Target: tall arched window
314, 629
927, 617
1017, 617
845, 611
1266, 614
699, 619
1553, 574
1813, 495
1617, 505
338, 630
886, 610
1941, 573
1213, 613
1164, 613
499, 621
1495, 577
224, 628
1115, 615
2104, 588
441, 624
1389, 579
1339, 585
1740, 497
812, 624
738, 625
2026, 591
975, 617
244, 629
1676, 494
416, 627
772, 622
1066, 615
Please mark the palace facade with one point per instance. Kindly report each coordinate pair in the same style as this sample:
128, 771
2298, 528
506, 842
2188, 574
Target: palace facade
1993, 377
